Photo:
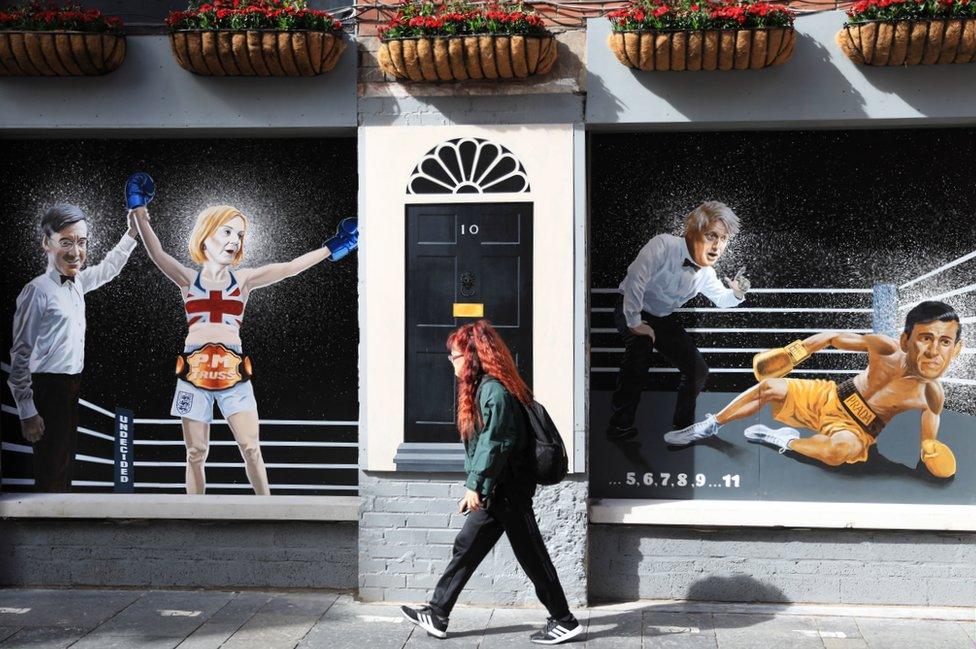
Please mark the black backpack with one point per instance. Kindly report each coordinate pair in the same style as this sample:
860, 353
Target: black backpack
546, 457
549, 462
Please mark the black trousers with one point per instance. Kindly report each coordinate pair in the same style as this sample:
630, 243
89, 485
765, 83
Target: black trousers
512, 514
56, 399
680, 350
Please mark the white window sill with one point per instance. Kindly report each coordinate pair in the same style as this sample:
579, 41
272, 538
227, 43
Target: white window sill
737, 513
180, 506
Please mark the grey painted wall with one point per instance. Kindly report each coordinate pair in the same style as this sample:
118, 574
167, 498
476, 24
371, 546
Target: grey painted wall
174, 553
818, 87
775, 565
151, 93
407, 527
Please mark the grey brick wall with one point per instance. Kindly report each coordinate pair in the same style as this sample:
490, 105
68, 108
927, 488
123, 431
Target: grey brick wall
407, 528
165, 554
775, 565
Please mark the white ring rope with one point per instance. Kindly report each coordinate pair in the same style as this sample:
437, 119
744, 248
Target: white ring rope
743, 350
29, 482
715, 330
179, 442
951, 264
725, 370
709, 309
941, 296
241, 465
828, 291
266, 422
725, 350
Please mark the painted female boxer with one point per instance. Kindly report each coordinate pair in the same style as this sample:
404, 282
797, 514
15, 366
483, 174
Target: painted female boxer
212, 368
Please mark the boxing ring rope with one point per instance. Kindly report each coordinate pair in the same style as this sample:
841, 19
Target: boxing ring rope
25, 449
946, 294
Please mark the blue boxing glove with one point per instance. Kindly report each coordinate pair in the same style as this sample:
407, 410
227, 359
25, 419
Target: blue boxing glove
346, 239
139, 190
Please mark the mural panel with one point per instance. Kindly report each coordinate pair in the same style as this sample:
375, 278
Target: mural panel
805, 336
179, 388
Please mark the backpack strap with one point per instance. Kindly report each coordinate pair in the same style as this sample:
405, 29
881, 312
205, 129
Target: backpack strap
479, 423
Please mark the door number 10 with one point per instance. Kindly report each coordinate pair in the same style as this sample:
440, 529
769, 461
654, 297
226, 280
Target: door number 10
469, 229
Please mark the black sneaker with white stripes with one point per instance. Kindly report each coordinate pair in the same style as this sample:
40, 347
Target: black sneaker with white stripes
556, 632
427, 620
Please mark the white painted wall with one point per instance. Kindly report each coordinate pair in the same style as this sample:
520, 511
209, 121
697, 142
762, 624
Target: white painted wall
388, 154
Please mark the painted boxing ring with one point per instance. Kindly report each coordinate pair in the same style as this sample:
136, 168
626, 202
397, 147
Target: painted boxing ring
329, 450
728, 339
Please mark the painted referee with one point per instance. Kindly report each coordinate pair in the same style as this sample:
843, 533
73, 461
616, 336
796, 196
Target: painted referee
668, 272
48, 352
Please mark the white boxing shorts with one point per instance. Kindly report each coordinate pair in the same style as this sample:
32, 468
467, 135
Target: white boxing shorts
191, 402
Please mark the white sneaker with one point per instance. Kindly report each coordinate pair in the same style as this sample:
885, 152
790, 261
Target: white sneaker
778, 437
703, 429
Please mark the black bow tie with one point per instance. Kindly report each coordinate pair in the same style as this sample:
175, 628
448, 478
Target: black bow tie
690, 264
67, 278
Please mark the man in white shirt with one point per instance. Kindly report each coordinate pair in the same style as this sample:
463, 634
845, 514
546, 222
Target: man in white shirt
668, 272
48, 352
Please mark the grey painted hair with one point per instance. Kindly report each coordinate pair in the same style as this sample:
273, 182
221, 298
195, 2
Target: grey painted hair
58, 217
699, 218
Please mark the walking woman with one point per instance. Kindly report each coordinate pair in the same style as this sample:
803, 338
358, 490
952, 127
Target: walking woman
212, 368
499, 493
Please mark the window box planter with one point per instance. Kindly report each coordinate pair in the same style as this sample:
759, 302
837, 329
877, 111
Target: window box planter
470, 57
257, 52
711, 49
433, 41
917, 41
666, 35
248, 38
60, 53
59, 42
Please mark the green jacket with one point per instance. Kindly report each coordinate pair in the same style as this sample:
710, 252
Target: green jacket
499, 443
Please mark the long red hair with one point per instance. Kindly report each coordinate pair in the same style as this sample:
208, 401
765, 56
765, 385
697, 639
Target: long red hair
484, 353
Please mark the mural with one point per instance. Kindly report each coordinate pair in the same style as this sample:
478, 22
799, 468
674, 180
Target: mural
91, 372
855, 317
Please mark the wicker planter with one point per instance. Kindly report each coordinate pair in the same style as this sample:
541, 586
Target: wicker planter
460, 58
262, 53
712, 49
910, 42
59, 54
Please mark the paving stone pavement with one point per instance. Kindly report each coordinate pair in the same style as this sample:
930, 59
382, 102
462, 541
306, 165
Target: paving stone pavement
171, 619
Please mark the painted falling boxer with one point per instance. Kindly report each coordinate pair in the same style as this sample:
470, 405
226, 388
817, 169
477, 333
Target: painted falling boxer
212, 368
901, 375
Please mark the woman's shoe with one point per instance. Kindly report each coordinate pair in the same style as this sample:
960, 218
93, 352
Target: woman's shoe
556, 632
426, 619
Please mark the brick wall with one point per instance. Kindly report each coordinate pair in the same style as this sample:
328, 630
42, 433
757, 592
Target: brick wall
407, 528
773, 565
167, 554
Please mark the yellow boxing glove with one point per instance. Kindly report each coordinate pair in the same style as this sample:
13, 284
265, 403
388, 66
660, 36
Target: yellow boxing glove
775, 363
938, 458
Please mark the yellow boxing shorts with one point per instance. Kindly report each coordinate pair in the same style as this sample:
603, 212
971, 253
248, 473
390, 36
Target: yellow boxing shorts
827, 409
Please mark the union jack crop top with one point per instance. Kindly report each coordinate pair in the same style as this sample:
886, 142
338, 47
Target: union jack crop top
224, 306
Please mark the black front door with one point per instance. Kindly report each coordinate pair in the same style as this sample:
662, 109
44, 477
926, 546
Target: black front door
463, 262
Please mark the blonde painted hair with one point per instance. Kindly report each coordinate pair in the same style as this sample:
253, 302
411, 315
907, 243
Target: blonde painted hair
207, 223
699, 218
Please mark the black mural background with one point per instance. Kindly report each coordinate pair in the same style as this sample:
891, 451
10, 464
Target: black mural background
822, 209
819, 209
301, 333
